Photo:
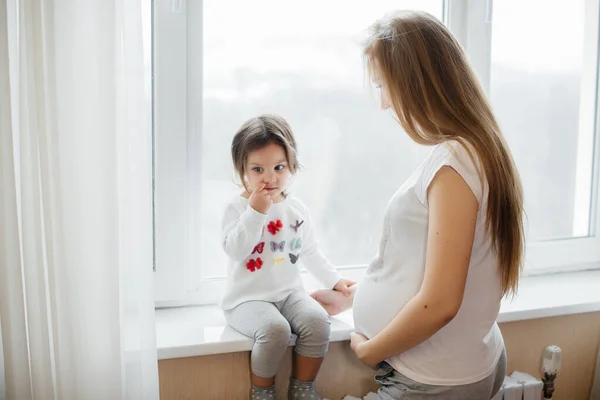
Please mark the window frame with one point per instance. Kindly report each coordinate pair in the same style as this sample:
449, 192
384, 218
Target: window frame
177, 105
555, 255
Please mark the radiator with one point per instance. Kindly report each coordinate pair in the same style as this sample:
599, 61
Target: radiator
520, 386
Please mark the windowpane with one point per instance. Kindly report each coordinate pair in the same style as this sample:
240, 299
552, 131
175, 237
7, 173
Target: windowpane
540, 92
302, 60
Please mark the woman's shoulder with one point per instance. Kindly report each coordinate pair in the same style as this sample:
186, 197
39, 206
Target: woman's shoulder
462, 158
454, 150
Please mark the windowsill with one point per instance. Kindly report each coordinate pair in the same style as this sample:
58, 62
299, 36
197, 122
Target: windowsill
202, 330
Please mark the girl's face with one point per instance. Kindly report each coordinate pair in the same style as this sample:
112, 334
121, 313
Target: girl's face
268, 165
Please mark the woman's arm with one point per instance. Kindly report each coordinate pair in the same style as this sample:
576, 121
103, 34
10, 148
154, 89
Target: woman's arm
452, 219
334, 301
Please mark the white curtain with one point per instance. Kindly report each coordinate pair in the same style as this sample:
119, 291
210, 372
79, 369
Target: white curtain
76, 296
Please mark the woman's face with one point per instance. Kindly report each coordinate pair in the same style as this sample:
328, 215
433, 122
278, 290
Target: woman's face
384, 96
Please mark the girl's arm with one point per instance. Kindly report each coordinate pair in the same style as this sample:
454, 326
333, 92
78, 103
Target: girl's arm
320, 266
452, 219
241, 231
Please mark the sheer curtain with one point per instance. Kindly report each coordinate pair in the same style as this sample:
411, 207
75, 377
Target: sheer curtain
76, 296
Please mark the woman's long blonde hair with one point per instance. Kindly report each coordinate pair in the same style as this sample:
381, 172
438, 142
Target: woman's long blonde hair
436, 97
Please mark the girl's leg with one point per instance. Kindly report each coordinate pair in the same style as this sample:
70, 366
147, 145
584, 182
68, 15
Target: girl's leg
306, 368
313, 326
271, 332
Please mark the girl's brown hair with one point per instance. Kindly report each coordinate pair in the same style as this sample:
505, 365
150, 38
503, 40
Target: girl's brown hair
436, 97
259, 132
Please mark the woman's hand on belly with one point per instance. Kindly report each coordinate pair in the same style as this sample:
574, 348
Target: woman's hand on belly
359, 344
334, 301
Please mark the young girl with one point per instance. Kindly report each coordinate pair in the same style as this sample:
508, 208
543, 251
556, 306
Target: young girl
452, 242
267, 233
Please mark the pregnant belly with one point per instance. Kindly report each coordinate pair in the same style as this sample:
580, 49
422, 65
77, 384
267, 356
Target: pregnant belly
376, 304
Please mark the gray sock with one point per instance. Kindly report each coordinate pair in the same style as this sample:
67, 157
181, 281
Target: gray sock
300, 390
263, 393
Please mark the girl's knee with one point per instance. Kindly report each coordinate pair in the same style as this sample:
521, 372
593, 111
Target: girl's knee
313, 334
317, 326
275, 333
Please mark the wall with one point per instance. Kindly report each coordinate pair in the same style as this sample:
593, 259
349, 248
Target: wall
227, 376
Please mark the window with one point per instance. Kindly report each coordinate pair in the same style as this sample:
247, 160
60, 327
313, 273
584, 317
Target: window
536, 90
543, 89
218, 63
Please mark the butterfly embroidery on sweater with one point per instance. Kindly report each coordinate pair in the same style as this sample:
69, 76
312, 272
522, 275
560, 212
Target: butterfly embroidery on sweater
294, 258
278, 260
254, 265
298, 224
277, 246
296, 243
259, 248
275, 226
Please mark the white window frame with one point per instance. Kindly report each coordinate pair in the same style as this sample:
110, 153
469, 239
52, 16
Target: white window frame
178, 122
471, 22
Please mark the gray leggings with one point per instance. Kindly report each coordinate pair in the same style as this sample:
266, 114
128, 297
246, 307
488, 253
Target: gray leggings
395, 386
271, 326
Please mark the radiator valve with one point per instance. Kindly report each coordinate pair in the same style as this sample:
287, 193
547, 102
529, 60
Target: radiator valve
550, 368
